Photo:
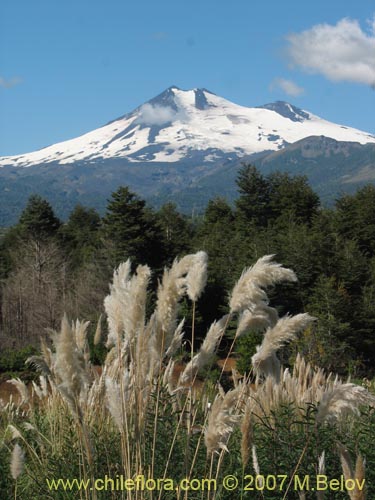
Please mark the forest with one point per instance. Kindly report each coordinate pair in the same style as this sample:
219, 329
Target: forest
158, 357
49, 267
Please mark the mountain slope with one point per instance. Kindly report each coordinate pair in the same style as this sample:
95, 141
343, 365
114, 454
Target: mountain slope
178, 125
186, 146
332, 167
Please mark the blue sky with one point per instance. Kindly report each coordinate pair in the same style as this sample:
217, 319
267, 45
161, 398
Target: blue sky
67, 67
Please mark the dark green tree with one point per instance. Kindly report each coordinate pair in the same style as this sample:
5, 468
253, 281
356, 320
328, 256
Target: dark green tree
132, 229
266, 198
217, 236
80, 234
292, 195
355, 218
363, 320
253, 202
330, 343
176, 231
5, 259
38, 219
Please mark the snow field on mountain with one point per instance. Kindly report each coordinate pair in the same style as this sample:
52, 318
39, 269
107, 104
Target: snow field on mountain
178, 131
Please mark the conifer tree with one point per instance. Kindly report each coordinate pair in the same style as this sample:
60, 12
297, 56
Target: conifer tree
355, 218
253, 202
132, 229
38, 219
176, 231
292, 195
81, 234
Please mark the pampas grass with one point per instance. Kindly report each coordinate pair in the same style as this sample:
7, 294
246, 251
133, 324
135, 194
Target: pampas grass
221, 421
260, 318
265, 361
17, 461
342, 399
207, 349
357, 474
247, 435
197, 276
17, 464
135, 416
21, 388
248, 292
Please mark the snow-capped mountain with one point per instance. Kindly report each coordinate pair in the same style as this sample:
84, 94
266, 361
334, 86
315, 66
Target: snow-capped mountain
186, 147
179, 125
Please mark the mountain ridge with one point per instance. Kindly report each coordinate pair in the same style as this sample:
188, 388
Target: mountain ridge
177, 123
187, 146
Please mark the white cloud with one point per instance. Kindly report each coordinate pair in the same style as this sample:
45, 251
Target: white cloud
287, 86
343, 52
9, 83
151, 114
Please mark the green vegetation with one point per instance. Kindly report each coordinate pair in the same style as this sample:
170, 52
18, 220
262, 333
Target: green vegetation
48, 267
13, 363
139, 417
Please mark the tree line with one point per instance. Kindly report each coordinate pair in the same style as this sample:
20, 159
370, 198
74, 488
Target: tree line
48, 267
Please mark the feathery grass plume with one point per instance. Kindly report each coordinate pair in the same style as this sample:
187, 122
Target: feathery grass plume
170, 291
248, 291
222, 418
14, 431
43, 385
98, 331
114, 399
28, 427
264, 398
256, 466
113, 303
342, 399
346, 462
255, 460
40, 390
96, 393
17, 461
196, 278
306, 383
321, 470
322, 464
176, 340
80, 334
301, 388
357, 475
22, 390
44, 362
135, 303
146, 363
168, 376
258, 319
246, 435
264, 360
69, 367
360, 492
207, 349
125, 305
